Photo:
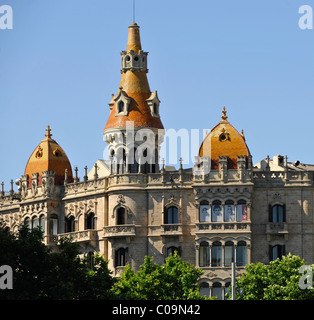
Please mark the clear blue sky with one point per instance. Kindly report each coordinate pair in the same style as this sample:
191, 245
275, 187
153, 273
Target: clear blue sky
61, 62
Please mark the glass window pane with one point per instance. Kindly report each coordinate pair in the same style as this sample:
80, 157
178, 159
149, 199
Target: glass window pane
229, 212
216, 255
229, 254
241, 255
42, 223
204, 290
216, 291
217, 213
280, 214
204, 255
204, 213
241, 212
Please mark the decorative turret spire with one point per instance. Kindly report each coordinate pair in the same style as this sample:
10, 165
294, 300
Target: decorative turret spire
48, 135
224, 114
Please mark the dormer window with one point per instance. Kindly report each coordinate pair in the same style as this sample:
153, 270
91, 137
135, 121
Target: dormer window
153, 103
122, 102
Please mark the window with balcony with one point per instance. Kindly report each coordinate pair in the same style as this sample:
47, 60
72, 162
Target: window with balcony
171, 215
121, 216
69, 224
90, 221
277, 213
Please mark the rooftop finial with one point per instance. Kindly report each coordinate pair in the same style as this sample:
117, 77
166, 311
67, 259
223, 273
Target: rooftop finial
224, 112
48, 134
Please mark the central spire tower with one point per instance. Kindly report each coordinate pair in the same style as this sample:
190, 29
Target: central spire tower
134, 107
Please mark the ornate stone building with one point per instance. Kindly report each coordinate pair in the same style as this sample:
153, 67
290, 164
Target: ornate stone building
130, 206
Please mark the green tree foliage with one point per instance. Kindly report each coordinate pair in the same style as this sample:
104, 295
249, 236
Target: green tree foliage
39, 273
279, 280
175, 279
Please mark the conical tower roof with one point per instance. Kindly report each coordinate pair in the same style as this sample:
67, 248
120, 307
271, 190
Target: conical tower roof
139, 104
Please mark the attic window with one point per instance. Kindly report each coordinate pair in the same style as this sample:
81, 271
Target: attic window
224, 136
155, 108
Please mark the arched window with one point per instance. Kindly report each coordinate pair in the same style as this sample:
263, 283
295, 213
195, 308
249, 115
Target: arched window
90, 221
241, 253
121, 257
241, 210
133, 164
229, 253
216, 254
216, 211
27, 222
229, 211
42, 223
277, 214
121, 216
171, 215
204, 289
172, 250
69, 224
227, 288
35, 222
217, 291
204, 255
276, 251
204, 213
53, 224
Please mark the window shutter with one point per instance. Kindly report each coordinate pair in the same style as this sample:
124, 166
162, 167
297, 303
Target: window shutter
284, 213
283, 250
270, 213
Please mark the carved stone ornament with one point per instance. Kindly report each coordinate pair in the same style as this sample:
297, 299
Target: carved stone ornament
121, 199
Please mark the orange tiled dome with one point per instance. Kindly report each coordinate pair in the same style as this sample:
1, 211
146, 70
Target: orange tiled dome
224, 140
49, 156
135, 86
